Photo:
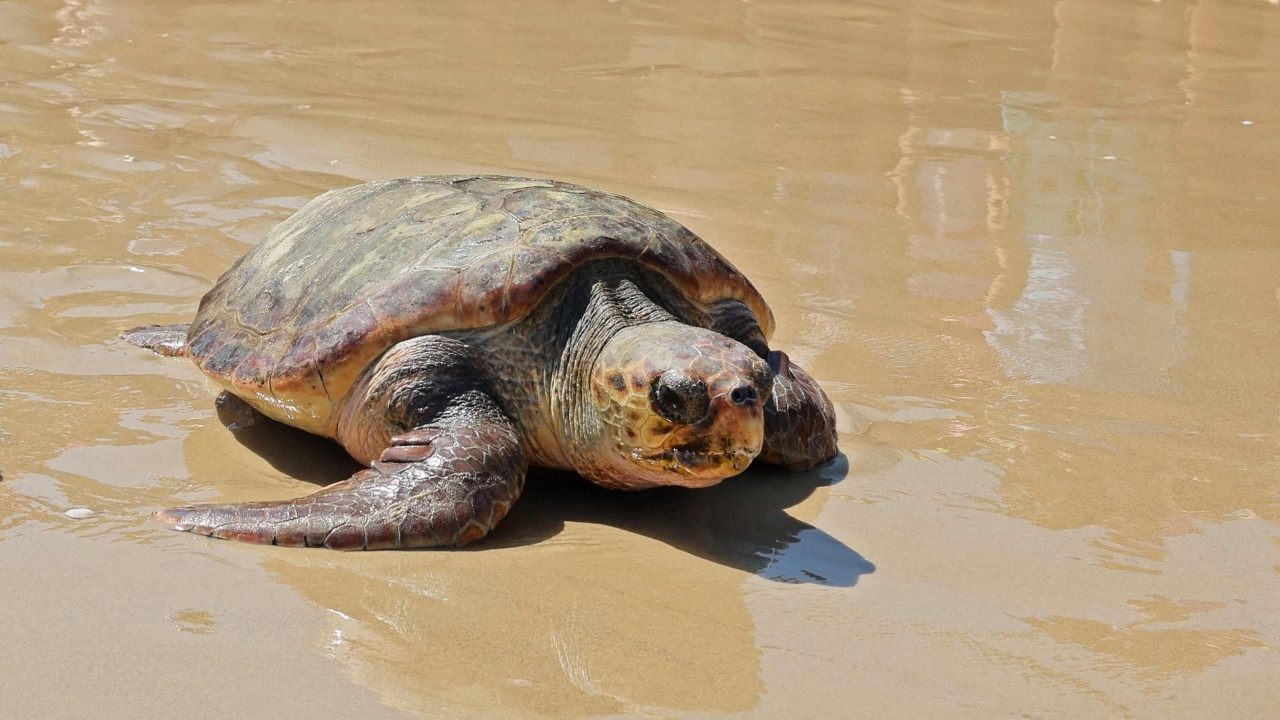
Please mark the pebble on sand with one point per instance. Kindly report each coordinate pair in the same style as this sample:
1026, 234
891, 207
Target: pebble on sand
79, 513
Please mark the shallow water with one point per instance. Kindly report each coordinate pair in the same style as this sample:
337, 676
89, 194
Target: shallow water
1028, 249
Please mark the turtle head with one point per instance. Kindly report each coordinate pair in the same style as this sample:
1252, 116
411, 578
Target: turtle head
678, 405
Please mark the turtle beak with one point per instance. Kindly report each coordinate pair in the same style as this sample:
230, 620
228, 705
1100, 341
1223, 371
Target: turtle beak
728, 438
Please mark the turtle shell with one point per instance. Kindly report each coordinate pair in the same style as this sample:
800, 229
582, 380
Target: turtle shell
292, 324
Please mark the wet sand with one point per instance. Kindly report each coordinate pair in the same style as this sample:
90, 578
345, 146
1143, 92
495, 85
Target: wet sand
1028, 249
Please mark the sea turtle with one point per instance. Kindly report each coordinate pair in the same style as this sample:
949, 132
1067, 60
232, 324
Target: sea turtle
450, 331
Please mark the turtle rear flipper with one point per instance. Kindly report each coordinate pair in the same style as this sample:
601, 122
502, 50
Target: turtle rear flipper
169, 340
446, 483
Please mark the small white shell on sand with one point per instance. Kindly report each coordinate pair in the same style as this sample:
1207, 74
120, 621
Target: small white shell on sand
79, 513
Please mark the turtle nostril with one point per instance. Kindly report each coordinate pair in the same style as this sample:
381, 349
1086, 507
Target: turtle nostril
680, 399
743, 395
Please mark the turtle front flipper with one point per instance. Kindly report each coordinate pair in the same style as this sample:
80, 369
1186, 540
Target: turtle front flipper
448, 482
799, 421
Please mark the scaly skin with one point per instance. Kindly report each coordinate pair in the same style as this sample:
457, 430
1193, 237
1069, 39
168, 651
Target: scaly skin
799, 421
447, 483
611, 379
447, 480
680, 405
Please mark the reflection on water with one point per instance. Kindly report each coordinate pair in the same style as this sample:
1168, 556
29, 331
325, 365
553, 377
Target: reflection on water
1027, 247
1061, 225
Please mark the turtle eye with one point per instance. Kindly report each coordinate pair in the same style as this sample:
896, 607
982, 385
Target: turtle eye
680, 399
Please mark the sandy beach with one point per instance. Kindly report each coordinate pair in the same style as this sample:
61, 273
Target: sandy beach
1029, 250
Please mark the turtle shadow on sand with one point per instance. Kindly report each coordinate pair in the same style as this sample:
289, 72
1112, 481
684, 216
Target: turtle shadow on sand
740, 523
